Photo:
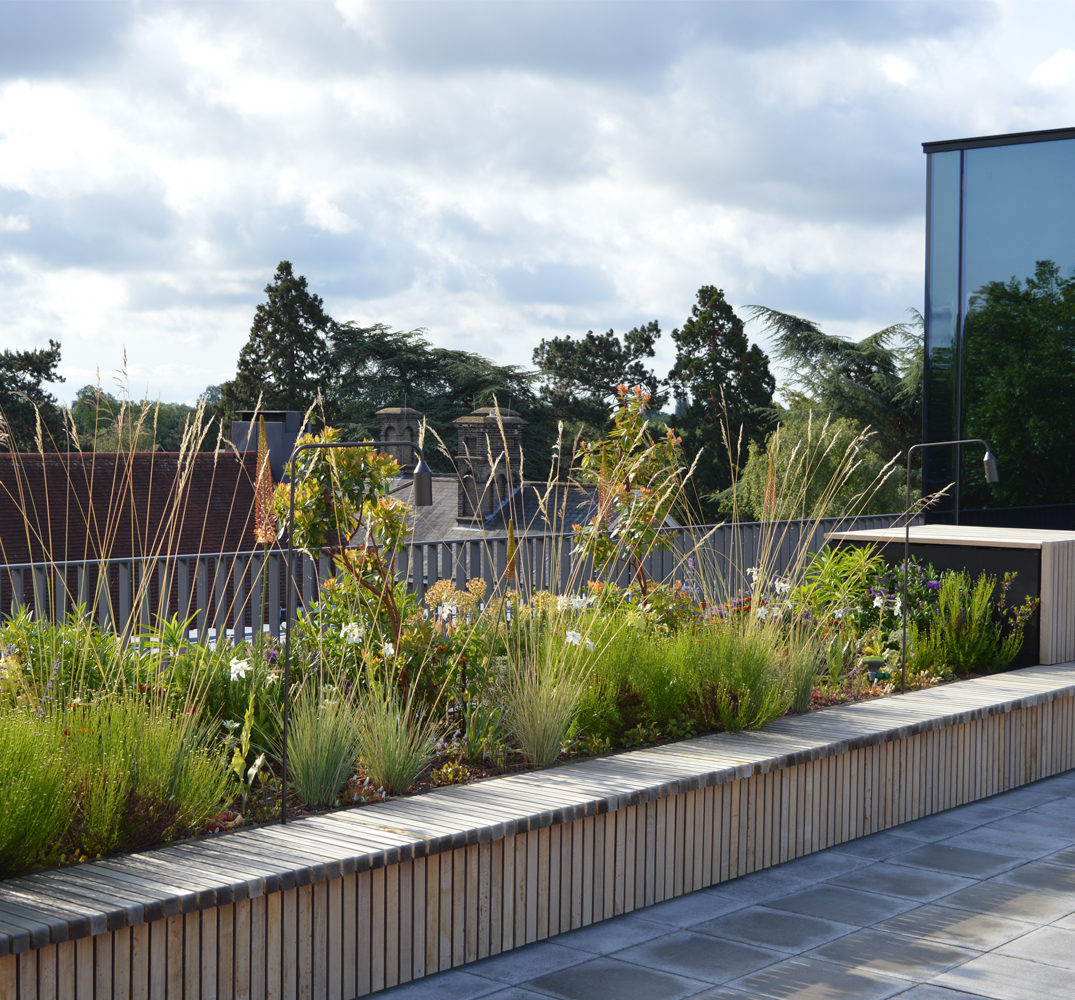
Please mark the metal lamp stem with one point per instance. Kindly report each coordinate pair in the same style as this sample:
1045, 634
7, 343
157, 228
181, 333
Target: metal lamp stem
989, 460
423, 497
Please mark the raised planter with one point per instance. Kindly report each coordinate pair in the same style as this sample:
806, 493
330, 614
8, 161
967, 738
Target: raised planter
345, 904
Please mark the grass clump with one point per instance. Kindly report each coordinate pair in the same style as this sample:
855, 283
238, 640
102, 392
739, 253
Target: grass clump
395, 742
35, 790
322, 744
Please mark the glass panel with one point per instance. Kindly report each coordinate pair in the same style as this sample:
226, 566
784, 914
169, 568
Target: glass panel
1018, 360
942, 317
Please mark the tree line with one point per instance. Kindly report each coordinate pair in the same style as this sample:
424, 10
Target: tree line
722, 385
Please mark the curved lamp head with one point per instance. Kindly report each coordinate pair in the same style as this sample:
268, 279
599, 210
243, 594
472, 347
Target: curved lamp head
989, 460
423, 485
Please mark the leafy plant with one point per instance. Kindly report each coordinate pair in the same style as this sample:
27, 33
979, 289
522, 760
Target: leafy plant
974, 629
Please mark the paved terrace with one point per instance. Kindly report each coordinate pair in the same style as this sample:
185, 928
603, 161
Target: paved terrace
977, 901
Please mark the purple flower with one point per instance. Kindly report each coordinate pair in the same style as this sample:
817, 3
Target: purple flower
933, 584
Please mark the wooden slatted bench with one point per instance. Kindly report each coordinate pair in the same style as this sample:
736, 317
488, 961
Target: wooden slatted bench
344, 904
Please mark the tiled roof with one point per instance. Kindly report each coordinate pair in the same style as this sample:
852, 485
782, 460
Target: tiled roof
535, 508
76, 506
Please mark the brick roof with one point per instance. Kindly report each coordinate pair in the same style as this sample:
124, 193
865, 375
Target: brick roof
85, 505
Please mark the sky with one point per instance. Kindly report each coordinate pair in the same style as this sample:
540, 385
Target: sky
493, 172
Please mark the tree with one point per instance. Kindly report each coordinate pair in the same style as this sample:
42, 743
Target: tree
375, 366
875, 382
812, 467
1018, 381
284, 360
729, 391
106, 423
581, 374
23, 399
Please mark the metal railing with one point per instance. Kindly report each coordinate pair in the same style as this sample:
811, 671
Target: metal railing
235, 594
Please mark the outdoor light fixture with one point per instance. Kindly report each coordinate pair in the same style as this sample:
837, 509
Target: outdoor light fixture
423, 497
989, 461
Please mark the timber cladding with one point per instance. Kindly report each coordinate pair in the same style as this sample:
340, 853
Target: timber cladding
345, 904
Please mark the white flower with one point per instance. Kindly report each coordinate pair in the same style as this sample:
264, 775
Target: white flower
839, 613
897, 607
353, 633
753, 574
589, 644
239, 668
574, 638
762, 612
448, 612
781, 586
388, 649
573, 602
879, 601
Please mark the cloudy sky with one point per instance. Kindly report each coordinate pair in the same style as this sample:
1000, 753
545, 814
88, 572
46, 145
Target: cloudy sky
495, 172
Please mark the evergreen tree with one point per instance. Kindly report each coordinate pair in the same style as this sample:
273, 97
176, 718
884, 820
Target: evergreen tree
729, 390
284, 361
580, 374
23, 399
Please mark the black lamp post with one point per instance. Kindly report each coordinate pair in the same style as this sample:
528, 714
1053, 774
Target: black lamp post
989, 461
423, 497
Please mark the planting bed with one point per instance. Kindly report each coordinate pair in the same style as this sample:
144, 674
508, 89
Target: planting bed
345, 904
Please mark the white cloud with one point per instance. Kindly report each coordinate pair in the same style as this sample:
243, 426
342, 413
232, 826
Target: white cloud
1056, 71
493, 173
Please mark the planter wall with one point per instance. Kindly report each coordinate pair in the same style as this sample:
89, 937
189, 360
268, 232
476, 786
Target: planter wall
345, 904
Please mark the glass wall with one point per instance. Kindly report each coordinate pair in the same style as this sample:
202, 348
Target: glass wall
1000, 323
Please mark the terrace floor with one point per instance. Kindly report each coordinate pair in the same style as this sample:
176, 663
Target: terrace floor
978, 901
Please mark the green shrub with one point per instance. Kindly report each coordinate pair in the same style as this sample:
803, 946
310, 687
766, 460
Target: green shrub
973, 631
741, 682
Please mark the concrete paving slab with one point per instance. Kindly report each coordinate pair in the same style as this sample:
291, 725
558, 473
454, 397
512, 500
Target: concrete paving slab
937, 993
534, 960
894, 954
981, 931
958, 860
452, 985
899, 880
613, 935
1003, 977
878, 845
699, 956
1049, 945
606, 977
771, 928
1027, 845
686, 911
815, 979
1005, 900
1041, 875
846, 906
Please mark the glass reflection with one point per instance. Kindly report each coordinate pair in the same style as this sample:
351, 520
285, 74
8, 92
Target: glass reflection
1011, 372
942, 293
